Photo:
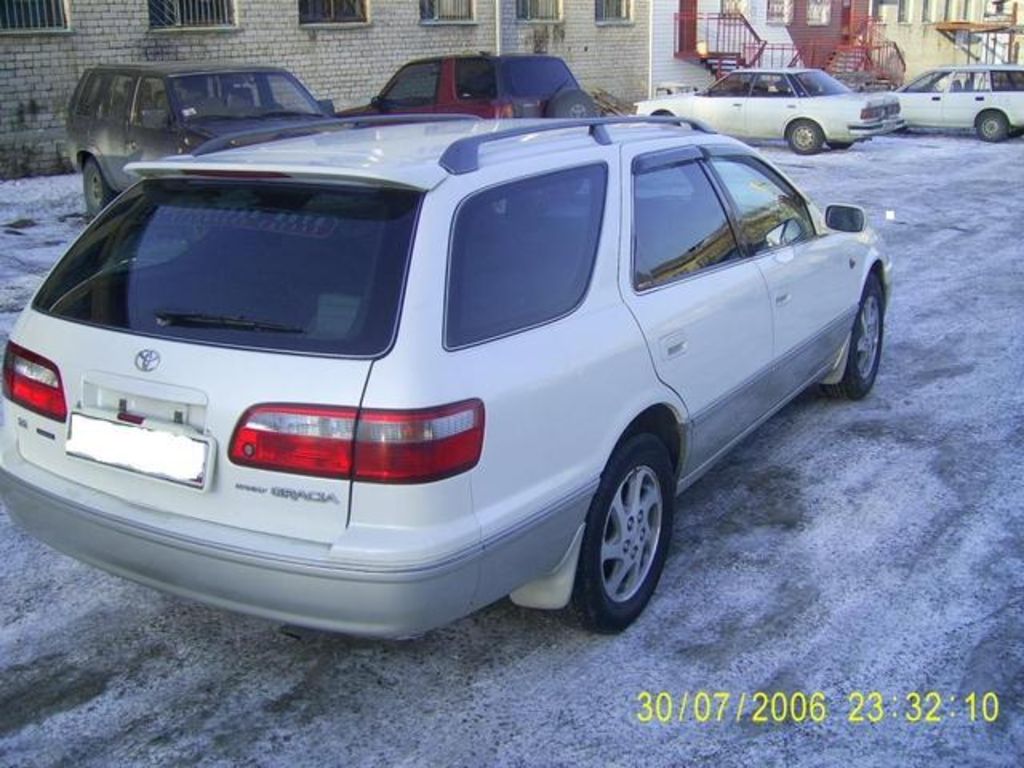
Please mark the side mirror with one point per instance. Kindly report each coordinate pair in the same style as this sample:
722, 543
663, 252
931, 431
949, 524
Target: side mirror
845, 218
326, 106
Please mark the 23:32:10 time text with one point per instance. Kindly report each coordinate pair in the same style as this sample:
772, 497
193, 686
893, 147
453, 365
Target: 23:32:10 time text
861, 707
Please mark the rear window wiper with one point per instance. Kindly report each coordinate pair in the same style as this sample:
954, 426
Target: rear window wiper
200, 320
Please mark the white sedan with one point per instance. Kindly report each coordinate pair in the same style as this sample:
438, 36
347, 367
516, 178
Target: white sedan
806, 107
986, 98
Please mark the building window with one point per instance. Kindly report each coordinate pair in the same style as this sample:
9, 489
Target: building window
819, 13
733, 7
926, 11
19, 15
538, 10
780, 11
170, 14
446, 10
903, 11
332, 12
947, 11
965, 10
612, 10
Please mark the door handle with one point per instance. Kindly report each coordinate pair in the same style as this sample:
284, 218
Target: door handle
782, 299
133, 145
979, 98
936, 98
737, 105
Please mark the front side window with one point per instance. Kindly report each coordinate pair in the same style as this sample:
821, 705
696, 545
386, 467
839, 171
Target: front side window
446, 10
169, 14
770, 84
414, 86
522, 254
18, 15
332, 11
539, 10
819, 13
612, 10
151, 108
281, 267
736, 84
679, 225
933, 82
771, 213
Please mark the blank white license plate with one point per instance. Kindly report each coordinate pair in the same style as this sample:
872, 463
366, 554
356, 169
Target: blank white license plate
153, 452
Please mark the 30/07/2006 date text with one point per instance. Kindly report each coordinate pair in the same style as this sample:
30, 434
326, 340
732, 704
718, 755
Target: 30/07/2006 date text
778, 707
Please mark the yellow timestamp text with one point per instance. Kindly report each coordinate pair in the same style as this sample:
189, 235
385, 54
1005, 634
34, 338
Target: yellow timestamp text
857, 707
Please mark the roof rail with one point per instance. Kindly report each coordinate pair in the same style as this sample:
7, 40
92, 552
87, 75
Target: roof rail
463, 155
306, 127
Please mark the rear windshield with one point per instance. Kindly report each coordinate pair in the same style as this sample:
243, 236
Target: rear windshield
817, 83
535, 76
290, 268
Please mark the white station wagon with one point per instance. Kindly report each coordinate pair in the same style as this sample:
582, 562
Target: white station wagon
373, 380
806, 107
986, 98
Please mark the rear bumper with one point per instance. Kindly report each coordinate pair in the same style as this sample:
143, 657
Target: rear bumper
306, 590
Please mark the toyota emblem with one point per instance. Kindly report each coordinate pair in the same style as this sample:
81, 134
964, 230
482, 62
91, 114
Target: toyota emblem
147, 360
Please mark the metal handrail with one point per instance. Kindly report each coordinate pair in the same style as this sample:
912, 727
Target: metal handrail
463, 155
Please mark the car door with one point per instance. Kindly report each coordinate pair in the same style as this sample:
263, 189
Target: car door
968, 94
921, 100
701, 305
811, 278
723, 105
109, 133
476, 86
770, 106
152, 131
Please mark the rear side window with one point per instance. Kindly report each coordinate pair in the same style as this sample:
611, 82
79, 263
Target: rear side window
1007, 80
474, 79
272, 267
522, 254
536, 76
679, 226
415, 85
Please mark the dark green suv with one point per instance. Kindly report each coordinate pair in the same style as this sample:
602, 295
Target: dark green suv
124, 113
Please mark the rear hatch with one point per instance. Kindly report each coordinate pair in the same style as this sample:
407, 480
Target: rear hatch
186, 304
530, 82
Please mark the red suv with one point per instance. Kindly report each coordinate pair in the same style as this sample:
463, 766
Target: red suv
484, 85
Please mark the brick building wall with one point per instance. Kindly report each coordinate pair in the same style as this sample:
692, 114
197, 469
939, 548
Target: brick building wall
345, 62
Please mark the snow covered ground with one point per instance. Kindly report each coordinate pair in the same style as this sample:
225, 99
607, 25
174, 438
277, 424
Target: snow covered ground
844, 548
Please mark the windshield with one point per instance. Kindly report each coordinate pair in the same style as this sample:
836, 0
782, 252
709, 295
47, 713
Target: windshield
817, 83
241, 95
284, 267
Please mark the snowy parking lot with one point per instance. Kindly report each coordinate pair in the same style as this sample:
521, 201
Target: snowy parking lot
854, 566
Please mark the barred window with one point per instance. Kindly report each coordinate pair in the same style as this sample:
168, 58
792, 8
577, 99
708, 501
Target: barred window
819, 13
902, 11
538, 10
926, 11
446, 10
780, 11
612, 10
16, 15
332, 11
170, 14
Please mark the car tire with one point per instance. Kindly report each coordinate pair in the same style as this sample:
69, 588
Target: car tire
840, 144
625, 542
805, 137
992, 126
571, 103
95, 189
865, 345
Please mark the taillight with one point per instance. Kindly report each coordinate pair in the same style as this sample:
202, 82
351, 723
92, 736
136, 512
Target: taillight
869, 113
33, 382
380, 446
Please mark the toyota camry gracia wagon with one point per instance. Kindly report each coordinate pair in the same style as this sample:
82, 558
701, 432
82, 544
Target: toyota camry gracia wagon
374, 379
